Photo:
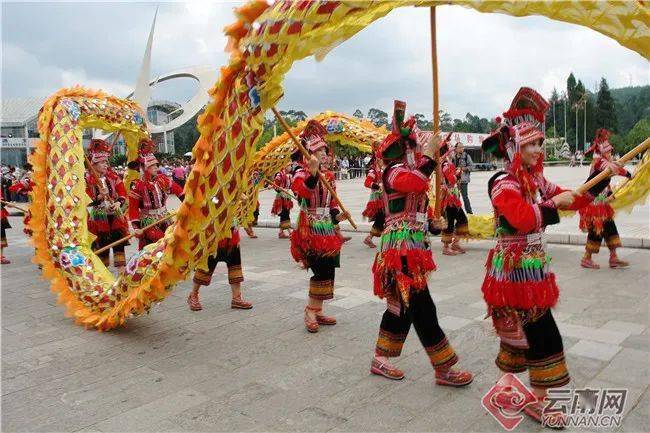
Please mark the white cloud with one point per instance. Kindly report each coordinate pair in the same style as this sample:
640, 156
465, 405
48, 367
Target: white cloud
45, 79
483, 58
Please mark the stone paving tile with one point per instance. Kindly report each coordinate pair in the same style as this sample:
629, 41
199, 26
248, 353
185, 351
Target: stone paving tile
211, 416
141, 417
591, 349
624, 327
639, 342
259, 370
629, 367
637, 418
601, 335
451, 323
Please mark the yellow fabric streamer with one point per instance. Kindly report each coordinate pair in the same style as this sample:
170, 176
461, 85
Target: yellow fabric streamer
347, 130
264, 42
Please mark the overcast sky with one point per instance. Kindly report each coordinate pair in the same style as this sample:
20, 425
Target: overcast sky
483, 58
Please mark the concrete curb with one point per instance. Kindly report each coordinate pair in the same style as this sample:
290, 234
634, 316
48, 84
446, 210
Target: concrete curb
553, 238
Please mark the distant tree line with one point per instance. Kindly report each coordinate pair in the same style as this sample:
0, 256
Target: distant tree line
625, 111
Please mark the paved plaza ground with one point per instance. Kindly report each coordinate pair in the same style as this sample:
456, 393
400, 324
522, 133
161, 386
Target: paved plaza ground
259, 370
634, 226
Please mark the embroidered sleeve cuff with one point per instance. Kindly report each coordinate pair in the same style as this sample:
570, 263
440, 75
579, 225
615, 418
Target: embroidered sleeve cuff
548, 212
600, 186
311, 182
427, 166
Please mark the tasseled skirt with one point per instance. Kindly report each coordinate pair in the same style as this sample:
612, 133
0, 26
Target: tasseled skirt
403, 262
374, 205
99, 222
280, 203
314, 238
593, 216
451, 198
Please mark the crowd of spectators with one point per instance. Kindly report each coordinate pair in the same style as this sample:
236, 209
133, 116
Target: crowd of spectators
12, 175
351, 167
175, 168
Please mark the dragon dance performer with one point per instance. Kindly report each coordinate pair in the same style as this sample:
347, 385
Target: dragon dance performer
597, 219
107, 194
4, 225
25, 186
283, 204
315, 243
457, 228
404, 260
374, 210
228, 251
148, 197
519, 288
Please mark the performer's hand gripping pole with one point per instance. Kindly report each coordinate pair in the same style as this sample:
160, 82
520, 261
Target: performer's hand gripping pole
608, 172
320, 175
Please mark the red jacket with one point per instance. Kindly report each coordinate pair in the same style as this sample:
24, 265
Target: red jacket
146, 195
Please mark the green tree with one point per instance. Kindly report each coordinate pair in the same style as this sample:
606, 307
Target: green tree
378, 117
446, 122
632, 104
186, 135
423, 123
618, 142
571, 89
640, 132
272, 127
118, 159
605, 108
358, 114
552, 114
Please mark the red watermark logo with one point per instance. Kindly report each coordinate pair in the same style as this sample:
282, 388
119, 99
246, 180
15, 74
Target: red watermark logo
506, 400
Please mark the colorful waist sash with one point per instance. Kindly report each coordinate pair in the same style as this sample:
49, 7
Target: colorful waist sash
518, 274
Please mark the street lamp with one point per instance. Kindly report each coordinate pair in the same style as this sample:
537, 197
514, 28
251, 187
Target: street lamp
585, 125
554, 102
564, 97
576, 106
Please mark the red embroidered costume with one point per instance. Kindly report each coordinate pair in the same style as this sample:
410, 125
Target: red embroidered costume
107, 196
597, 219
404, 260
148, 197
374, 210
519, 287
24, 186
315, 243
4, 225
283, 203
457, 228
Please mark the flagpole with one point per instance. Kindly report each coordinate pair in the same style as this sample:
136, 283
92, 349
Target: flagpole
436, 107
